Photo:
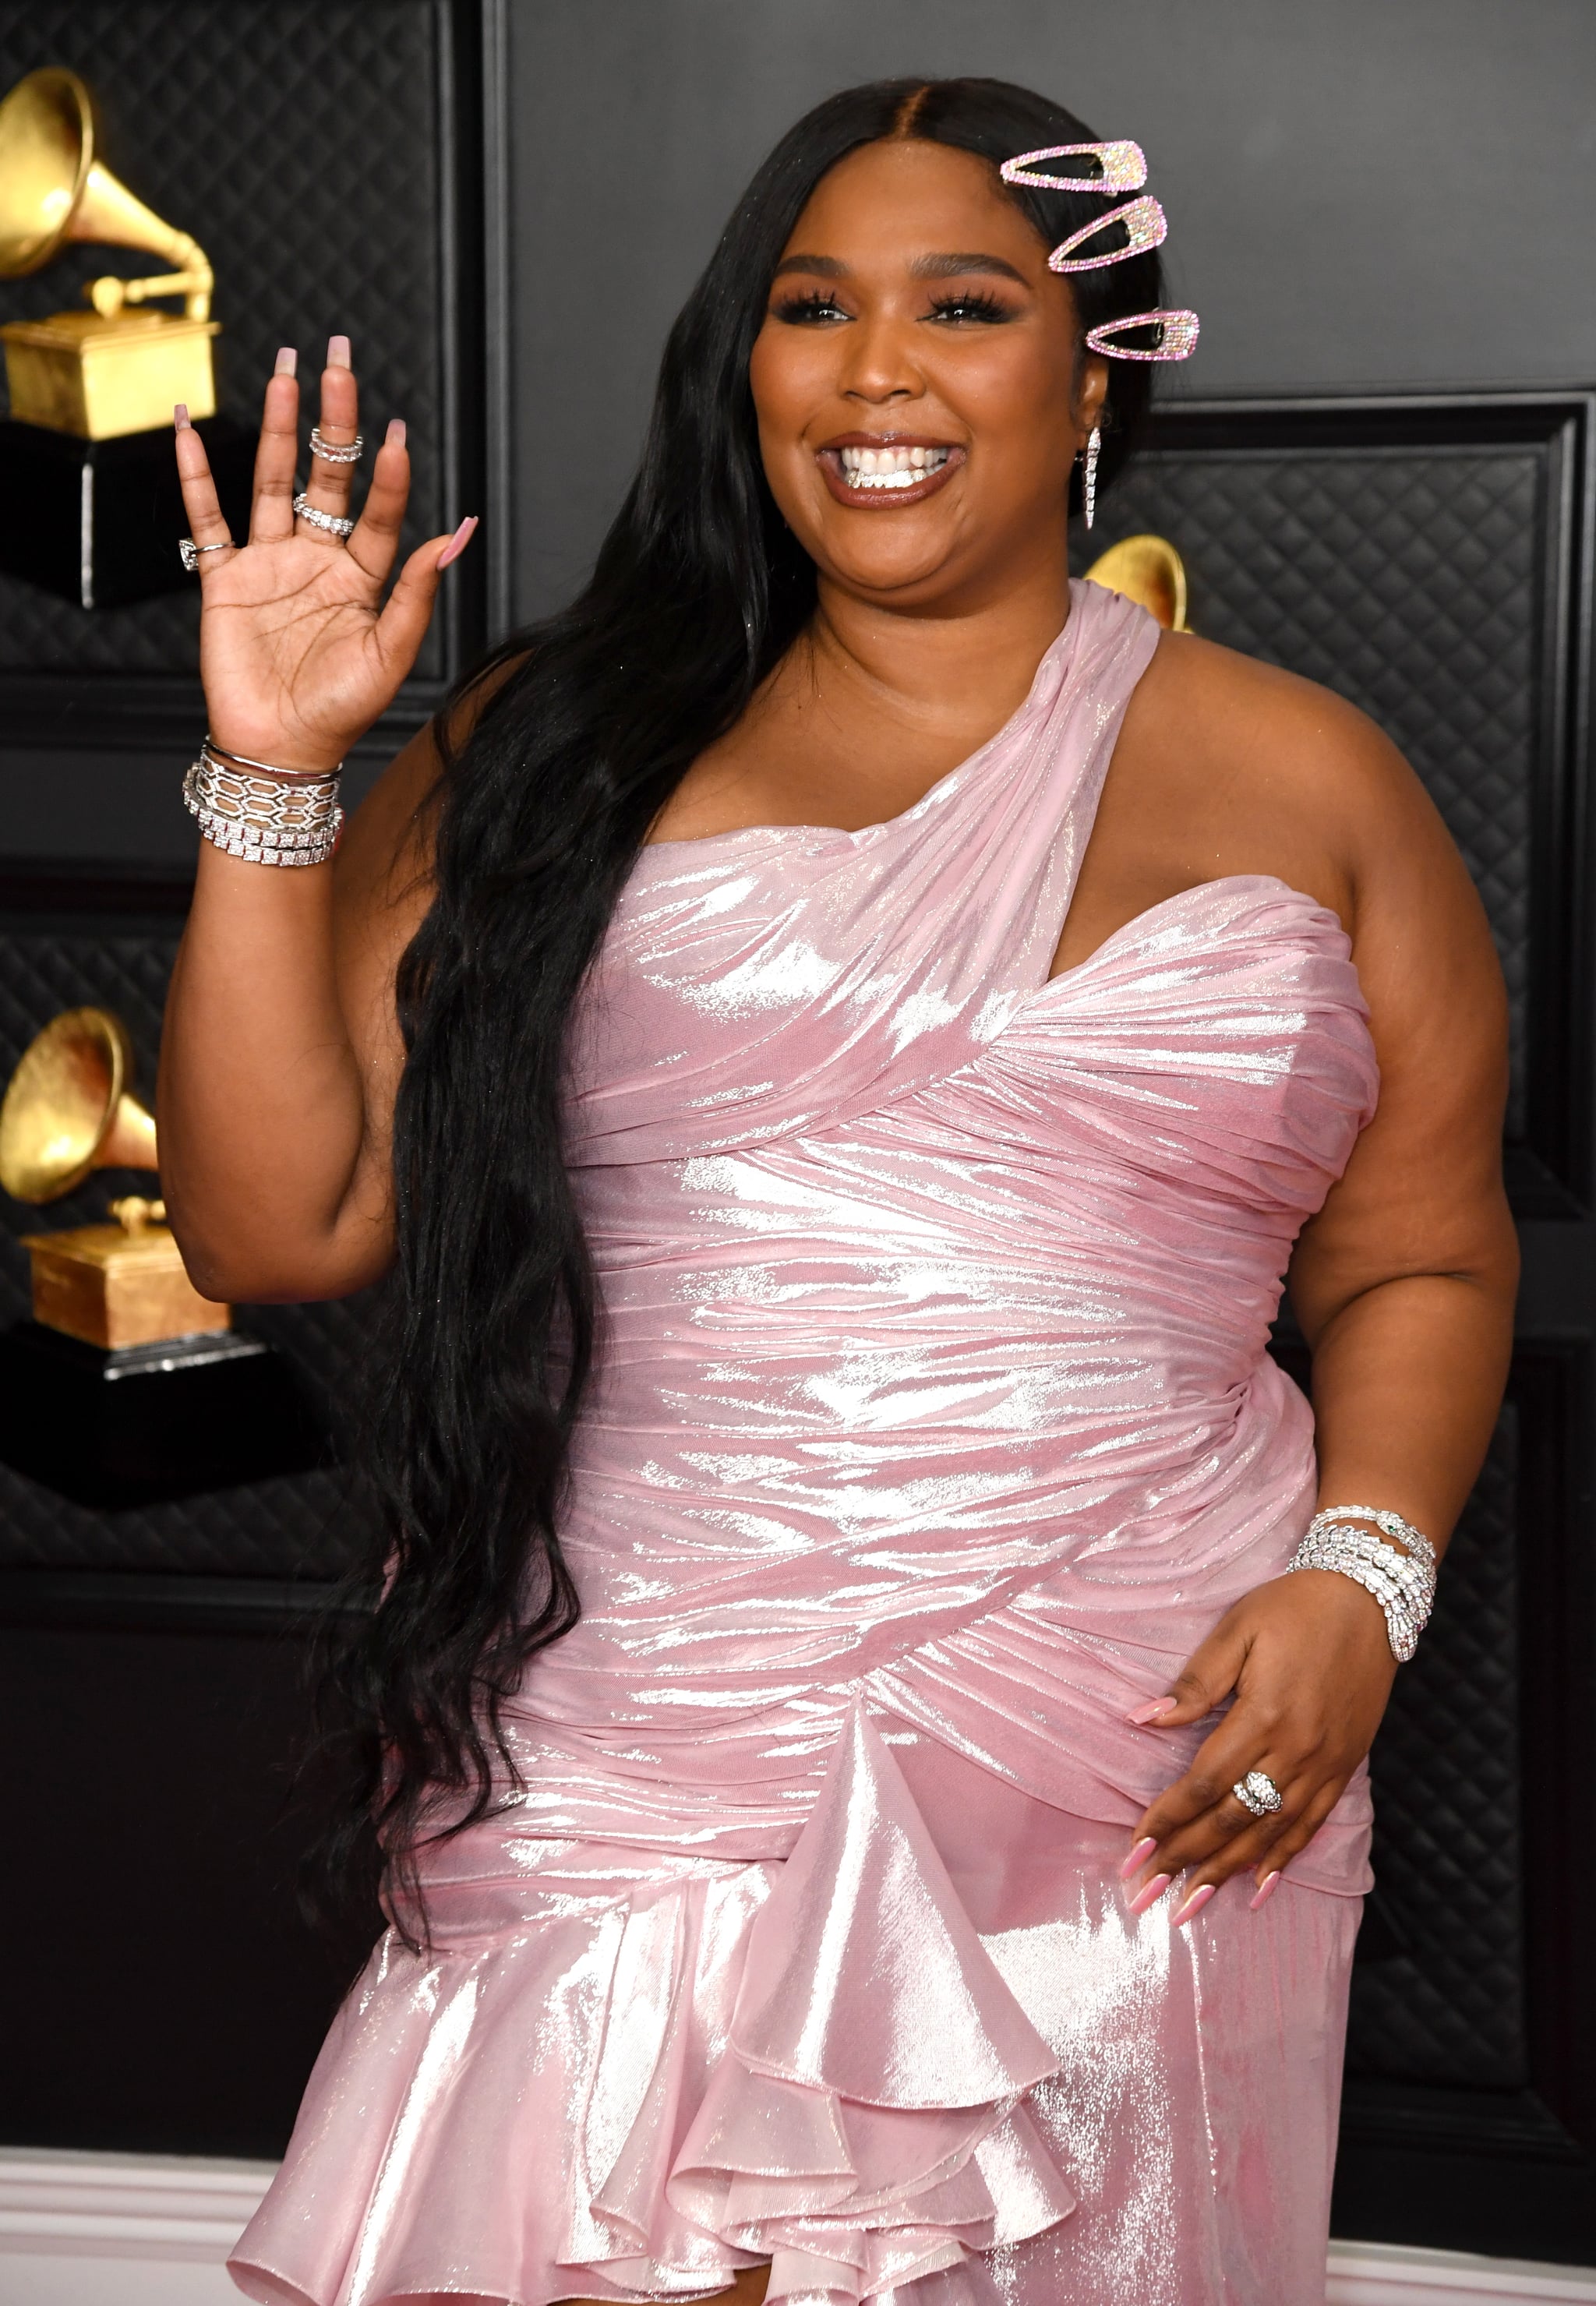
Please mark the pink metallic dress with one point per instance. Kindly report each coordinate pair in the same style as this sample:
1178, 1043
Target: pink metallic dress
935, 1428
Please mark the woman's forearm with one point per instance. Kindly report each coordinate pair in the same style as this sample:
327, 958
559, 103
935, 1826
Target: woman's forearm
1407, 1378
261, 1112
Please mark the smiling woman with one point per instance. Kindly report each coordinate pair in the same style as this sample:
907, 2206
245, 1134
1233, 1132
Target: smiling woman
839, 1035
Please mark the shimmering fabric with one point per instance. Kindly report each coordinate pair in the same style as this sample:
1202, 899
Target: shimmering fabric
935, 1428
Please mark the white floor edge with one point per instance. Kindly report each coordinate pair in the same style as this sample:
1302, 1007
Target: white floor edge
153, 2230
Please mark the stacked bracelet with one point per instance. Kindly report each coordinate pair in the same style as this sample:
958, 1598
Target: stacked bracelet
1403, 1584
265, 816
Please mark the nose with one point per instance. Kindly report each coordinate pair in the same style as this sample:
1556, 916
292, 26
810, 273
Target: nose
879, 365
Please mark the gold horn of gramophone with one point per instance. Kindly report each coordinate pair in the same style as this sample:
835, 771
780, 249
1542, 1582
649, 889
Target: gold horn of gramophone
1149, 570
114, 369
70, 1109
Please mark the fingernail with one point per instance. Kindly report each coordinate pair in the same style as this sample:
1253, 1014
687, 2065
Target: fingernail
1153, 1710
1265, 1890
457, 542
337, 352
1150, 1895
287, 361
180, 416
394, 438
1139, 1857
1195, 1903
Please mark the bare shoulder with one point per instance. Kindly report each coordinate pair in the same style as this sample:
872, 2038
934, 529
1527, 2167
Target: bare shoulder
1256, 770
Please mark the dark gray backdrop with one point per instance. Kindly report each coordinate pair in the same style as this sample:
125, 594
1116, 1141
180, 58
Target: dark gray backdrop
1363, 193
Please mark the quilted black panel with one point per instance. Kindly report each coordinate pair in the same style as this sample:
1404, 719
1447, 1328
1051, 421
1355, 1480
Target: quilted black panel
307, 1526
299, 141
1445, 2005
1407, 579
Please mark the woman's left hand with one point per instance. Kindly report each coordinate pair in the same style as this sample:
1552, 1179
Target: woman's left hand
1310, 1666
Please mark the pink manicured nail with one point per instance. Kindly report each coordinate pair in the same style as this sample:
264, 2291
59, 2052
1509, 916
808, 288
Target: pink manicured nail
1153, 1710
1151, 1894
394, 438
1265, 1890
287, 361
457, 542
337, 352
1139, 1857
180, 416
1195, 1903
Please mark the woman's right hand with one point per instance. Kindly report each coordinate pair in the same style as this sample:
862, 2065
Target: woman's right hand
297, 654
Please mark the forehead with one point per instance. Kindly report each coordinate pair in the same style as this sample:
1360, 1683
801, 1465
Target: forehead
906, 198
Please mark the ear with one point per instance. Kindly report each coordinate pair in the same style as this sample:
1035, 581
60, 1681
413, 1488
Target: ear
1092, 392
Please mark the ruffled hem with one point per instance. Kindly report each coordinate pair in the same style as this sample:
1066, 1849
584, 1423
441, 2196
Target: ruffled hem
813, 2063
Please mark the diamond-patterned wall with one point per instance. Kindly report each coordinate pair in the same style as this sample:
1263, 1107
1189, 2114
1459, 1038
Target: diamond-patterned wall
299, 141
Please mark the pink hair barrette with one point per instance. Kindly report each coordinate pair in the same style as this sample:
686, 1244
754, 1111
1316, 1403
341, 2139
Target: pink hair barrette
1145, 226
1177, 339
1123, 165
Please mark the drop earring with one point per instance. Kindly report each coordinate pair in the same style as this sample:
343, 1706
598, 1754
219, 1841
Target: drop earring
1088, 488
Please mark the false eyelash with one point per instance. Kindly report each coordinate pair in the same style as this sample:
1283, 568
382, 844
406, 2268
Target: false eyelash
812, 302
981, 304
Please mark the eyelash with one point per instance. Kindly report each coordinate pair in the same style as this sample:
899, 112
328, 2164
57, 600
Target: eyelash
977, 305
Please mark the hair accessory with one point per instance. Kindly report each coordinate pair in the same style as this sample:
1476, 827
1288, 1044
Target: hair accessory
1088, 475
1145, 226
1123, 167
1177, 341
330, 521
330, 454
189, 552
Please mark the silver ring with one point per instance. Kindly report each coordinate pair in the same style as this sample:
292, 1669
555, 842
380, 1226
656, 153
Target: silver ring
330, 521
189, 552
332, 455
1257, 1792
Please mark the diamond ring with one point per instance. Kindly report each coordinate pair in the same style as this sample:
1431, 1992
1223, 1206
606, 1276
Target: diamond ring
1257, 1792
189, 552
330, 521
331, 454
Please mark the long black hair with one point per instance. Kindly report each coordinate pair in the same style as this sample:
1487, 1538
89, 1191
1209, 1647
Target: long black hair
577, 737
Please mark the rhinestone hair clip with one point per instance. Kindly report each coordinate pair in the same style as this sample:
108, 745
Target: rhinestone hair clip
1122, 168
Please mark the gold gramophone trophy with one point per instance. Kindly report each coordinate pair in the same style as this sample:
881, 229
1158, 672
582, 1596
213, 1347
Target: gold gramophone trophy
1149, 570
88, 502
127, 1386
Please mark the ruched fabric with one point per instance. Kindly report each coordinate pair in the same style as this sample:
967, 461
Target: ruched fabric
935, 1428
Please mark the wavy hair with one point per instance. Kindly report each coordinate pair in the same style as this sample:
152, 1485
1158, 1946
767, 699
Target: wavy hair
590, 721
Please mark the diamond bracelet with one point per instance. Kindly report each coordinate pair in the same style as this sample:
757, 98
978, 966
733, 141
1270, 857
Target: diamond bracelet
1403, 1584
267, 815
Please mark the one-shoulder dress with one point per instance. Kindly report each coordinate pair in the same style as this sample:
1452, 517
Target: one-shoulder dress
935, 1428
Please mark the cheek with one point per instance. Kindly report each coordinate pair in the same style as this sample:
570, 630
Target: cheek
788, 376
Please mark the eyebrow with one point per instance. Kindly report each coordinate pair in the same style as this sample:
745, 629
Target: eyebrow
924, 268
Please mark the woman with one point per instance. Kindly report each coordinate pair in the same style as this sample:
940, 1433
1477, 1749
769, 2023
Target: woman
838, 1063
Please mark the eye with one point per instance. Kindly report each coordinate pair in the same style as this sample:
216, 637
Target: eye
971, 304
815, 306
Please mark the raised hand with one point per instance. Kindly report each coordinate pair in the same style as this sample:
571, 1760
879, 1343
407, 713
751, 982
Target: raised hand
298, 654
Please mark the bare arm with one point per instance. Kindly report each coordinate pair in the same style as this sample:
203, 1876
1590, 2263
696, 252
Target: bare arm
281, 1055
1404, 1285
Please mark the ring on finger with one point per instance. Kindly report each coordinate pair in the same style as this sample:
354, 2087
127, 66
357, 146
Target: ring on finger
1259, 1793
330, 521
189, 552
331, 453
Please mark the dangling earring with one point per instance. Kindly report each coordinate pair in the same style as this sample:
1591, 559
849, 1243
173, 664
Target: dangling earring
1089, 476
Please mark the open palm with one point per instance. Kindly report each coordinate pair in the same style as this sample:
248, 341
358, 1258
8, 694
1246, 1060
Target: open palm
298, 653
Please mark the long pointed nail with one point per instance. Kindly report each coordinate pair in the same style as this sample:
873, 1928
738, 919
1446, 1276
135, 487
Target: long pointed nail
457, 542
337, 352
394, 438
1150, 1895
287, 363
1265, 1890
1139, 1857
180, 416
1154, 1710
1195, 1903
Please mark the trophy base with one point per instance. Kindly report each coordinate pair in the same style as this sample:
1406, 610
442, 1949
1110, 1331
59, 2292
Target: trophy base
96, 522
137, 1425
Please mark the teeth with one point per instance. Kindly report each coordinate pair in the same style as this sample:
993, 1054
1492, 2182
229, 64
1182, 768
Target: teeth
890, 468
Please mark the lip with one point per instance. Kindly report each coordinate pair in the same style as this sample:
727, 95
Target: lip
829, 457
